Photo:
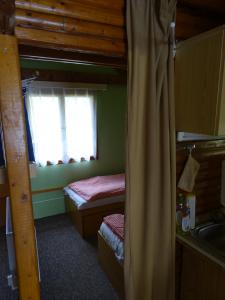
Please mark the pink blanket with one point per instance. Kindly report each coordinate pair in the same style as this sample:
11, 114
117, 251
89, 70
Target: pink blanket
116, 223
99, 187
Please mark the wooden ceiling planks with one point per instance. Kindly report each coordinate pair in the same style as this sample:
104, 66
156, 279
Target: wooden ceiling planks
210, 6
29, 36
25, 18
47, 54
75, 9
196, 16
95, 27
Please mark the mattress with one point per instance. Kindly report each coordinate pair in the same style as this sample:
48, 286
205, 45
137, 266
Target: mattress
83, 204
116, 244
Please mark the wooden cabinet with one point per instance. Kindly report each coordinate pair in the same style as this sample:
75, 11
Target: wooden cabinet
201, 278
200, 83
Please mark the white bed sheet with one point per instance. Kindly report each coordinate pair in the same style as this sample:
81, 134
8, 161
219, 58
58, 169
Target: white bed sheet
113, 241
83, 204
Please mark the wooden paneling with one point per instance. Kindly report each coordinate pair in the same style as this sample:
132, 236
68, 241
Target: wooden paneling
28, 36
87, 26
105, 20
111, 265
76, 9
208, 181
196, 16
189, 23
44, 54
12, 116
25, 18
212, 8
68, 76
88, 221
198, 83
201, 278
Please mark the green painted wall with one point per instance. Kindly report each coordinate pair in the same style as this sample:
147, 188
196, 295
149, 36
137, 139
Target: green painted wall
111, 111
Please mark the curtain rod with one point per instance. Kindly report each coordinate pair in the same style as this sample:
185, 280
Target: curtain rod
72, 85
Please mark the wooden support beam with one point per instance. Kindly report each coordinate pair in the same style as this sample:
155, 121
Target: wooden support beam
71, 76
62, 41
26, 18
7, 20
12, 116
193, 19
110, 4
74, 57
207, 7
76, 9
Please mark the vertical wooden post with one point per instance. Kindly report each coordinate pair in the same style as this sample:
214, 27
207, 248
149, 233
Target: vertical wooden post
12, 115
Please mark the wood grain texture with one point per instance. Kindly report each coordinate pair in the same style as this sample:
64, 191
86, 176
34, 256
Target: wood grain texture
26, 18
190, 23
63, 41
208, 181
196, 16
75, 9
44, 54
88, 221
110, 265
80, 77
12, 116
201, 278
198, 83
212, 8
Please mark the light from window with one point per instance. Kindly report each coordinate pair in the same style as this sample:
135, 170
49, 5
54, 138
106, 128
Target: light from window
63, 124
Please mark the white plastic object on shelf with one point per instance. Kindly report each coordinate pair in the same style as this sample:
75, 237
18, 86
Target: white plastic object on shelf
191, 203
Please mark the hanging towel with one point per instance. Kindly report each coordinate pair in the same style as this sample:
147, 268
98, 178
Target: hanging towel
187, 179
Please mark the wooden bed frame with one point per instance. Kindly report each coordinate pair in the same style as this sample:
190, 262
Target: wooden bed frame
88, 221
112, 267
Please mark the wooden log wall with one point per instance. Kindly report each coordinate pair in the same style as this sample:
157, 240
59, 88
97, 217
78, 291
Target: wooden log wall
208, 181
91, 26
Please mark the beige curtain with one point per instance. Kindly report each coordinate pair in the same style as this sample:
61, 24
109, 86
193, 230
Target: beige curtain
150, 209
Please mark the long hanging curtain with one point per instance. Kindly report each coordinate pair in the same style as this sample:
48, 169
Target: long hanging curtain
29, 139
150, 209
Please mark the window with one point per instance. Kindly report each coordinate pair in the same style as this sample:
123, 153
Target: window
63, 124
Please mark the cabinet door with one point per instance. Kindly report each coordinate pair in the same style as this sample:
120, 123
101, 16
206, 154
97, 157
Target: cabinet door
201, 278
198, 83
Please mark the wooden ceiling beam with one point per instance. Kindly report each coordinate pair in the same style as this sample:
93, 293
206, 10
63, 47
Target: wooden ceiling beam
71, 76
191, 21
62, 41
209, 7
200, 11
26, 18
75, 57
75, 9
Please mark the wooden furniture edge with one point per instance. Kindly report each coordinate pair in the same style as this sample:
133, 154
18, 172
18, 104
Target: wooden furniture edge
88, 221
111, 266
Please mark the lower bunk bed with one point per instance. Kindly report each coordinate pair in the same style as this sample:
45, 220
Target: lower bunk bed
87, 208
111, 250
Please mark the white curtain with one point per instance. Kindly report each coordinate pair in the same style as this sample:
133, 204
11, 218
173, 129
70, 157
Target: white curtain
63, 124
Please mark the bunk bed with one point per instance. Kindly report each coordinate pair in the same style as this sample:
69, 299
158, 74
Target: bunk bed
89, 201
111, 250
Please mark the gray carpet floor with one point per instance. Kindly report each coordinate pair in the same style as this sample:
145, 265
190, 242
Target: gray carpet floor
68, 264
